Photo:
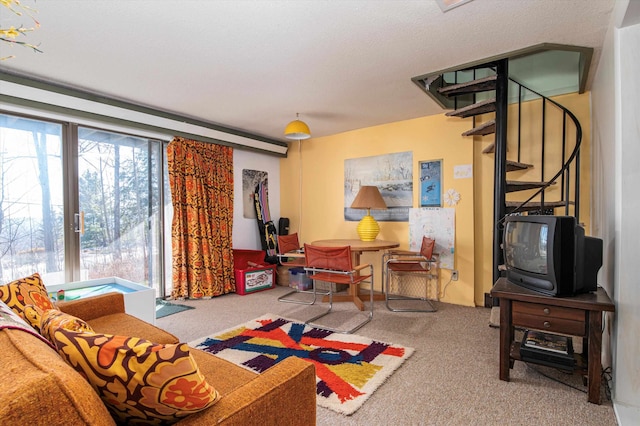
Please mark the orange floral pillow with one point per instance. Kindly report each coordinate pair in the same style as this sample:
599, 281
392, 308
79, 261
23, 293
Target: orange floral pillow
26, 291
53, 319
32, 315
139, 381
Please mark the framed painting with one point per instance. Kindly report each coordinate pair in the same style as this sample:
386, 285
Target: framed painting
431, 183
392, 174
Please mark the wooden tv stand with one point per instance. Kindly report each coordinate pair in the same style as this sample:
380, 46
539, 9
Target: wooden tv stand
579, 315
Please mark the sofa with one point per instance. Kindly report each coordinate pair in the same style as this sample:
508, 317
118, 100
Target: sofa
40, 388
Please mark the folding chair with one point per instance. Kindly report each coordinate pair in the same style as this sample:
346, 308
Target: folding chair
404, 269
334, 265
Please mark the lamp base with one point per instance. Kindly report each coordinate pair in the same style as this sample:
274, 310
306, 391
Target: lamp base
368, 228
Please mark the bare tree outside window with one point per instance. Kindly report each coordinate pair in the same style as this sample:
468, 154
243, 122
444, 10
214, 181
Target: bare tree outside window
118, 192
31, 232
120, 180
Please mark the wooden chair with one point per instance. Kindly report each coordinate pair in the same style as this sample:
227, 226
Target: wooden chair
334, 265
405, 268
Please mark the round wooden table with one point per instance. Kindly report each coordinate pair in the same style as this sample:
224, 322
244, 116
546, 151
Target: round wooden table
357, 248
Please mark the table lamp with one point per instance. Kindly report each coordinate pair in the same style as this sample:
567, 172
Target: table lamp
368, 198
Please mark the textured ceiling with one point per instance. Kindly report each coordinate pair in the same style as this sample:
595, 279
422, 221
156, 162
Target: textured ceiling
252, 65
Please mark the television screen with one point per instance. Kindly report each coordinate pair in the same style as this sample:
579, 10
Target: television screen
526, 246
551, 254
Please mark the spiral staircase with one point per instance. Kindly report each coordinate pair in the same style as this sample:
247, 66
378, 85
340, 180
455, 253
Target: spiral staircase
537, 162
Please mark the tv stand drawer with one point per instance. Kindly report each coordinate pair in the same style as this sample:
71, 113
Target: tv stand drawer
550, 318
556, 325
548, 310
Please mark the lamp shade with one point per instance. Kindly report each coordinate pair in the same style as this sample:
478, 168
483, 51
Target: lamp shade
297, 130
369, 198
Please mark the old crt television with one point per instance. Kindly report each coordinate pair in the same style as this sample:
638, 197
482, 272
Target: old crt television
551, 255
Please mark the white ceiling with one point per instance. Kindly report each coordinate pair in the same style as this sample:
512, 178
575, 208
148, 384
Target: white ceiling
252, 65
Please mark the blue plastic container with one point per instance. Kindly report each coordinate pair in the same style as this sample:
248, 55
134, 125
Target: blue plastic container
299, 279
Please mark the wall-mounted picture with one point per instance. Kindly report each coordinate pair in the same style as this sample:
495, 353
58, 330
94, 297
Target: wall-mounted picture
431, 183
250, 179
392, 174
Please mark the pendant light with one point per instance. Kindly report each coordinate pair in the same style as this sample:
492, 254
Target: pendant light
297, 130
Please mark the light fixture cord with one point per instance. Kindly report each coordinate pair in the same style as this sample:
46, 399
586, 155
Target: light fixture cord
300, 190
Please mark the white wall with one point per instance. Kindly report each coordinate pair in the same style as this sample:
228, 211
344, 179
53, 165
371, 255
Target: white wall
616, 178
627, 355
245, 231
603, 163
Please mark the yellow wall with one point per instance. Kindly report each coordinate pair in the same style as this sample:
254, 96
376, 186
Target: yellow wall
321, 161
315, 169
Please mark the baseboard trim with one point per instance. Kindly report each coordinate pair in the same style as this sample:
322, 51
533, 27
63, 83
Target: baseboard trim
626, 415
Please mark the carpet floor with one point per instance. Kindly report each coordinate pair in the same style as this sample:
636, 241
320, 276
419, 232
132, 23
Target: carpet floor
451, 378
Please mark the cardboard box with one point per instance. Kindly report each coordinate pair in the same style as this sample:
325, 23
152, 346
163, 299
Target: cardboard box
252, 273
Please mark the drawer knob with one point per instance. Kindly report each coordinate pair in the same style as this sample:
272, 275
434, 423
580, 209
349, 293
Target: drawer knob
547, 324
546, 311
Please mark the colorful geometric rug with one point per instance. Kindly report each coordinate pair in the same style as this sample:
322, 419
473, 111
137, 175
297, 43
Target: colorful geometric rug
349, 368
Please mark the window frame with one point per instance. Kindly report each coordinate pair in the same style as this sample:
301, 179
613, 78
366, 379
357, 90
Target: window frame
69, 151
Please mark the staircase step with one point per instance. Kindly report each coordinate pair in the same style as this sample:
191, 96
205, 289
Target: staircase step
532, 205
517, 185
475, 86
490, 149
474, 109
513, 166
483, 129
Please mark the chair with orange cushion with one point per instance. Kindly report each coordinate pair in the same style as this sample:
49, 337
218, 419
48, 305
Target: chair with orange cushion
335, 265
407, 277
291, 255
290, 251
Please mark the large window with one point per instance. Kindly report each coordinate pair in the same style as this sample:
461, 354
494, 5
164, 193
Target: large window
31, 201
81, 203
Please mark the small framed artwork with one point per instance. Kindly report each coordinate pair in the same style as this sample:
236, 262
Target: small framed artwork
431, 183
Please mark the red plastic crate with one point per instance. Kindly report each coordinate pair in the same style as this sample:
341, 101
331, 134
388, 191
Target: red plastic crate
252, 273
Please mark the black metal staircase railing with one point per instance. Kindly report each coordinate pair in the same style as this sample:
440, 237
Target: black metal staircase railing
554, 142
569, 164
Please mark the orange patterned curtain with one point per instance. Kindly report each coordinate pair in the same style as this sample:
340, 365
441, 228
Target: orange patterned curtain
201, 180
